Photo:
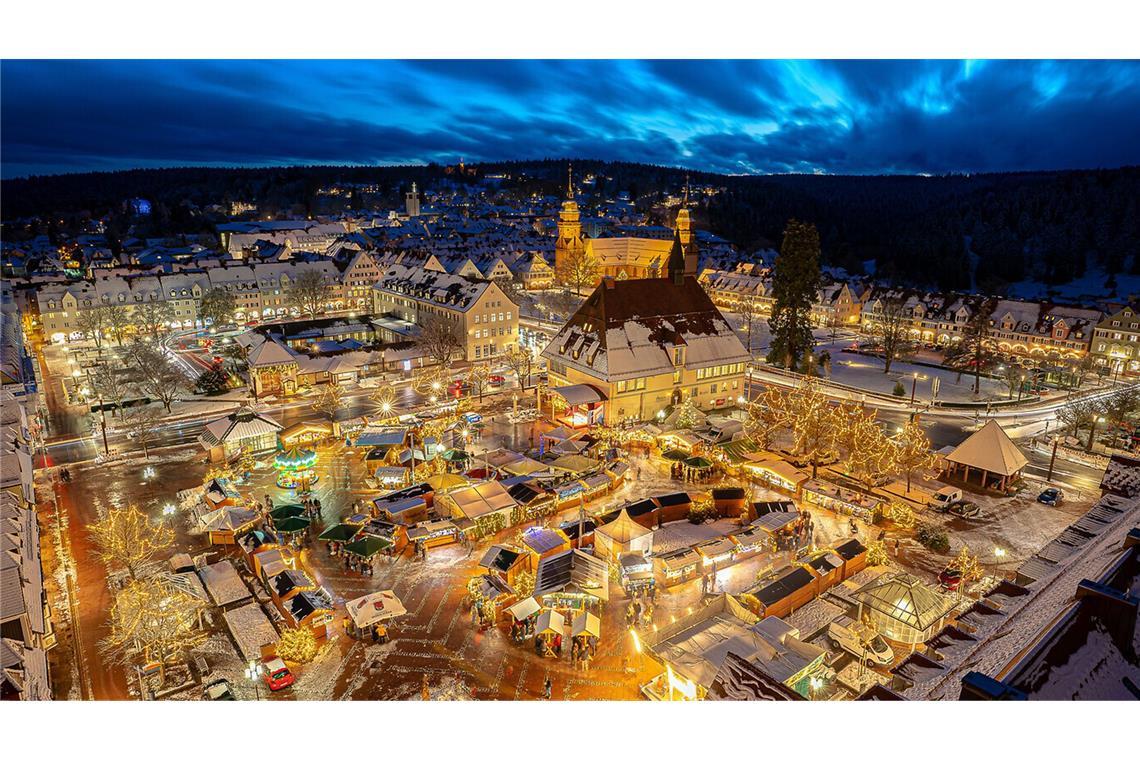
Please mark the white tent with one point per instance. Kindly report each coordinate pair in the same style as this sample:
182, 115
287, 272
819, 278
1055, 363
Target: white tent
520, 611
551, 621
375, 608
585, 622
621, 535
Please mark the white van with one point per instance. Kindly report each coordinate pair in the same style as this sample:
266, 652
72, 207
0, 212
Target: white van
723, 430
857, 639
946, 496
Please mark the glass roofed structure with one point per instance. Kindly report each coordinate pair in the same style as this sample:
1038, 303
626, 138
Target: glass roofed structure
903, 608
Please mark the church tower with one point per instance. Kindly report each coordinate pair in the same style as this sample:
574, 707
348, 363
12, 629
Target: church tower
412, 202
685, 234
570, 241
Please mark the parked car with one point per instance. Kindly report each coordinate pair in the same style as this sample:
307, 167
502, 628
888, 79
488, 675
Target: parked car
964, 509
459, 387
950, 579
856, 638
944, 497
219, 690
496, 380
277, 675
1052, 497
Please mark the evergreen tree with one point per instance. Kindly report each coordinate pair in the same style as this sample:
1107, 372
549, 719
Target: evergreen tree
794, 284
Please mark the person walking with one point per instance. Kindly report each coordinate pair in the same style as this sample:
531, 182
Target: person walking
547, 688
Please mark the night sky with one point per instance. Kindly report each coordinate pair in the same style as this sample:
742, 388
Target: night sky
862, 117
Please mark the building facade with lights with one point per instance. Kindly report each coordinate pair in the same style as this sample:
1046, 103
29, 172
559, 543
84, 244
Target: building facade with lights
643, 345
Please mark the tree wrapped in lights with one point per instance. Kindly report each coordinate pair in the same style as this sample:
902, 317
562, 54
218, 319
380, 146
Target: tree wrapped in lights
298, 645
877, 554
900, 514
127, 537
330, 401
968, 567
478, 377
430, 382
816, 423
767, 414
870, 453
521, 362
688, 414
912, 450
154, 618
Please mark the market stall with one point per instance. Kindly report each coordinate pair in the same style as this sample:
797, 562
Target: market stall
843, 501
368, 614
291, 528
523, 616
585, 632
636, 573
548, 632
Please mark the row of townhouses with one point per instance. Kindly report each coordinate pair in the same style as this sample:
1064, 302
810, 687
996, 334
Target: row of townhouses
1035, 330
26, 629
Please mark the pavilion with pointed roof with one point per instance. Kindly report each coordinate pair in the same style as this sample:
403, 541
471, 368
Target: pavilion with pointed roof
991, 454
621, 535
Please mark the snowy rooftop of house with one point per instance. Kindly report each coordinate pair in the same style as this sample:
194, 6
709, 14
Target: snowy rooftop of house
430, 286
237, 425
1122, 476
629, 328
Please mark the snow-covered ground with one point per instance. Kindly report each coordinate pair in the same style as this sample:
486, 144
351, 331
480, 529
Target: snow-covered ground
865, 372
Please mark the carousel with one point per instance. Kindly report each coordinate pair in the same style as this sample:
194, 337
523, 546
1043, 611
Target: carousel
294, 468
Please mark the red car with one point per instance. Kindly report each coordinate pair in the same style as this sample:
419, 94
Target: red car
496, 380
276, 675
458, 388
950, 579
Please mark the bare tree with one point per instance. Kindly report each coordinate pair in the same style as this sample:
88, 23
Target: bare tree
890, 332
217, 305
478, 376
1076, 415
577, 269
440, 339
330, 401
309, 293
152, 317
748, 309
111, 383
974, 353
118, 320
154, 375
140, 422
154, 619
92, 322
912, 450
817, 424
521, 362
1118, 408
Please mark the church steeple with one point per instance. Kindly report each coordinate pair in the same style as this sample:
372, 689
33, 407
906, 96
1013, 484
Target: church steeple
570, 181
676, 265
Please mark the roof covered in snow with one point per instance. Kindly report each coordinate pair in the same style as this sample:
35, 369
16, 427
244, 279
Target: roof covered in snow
630, 328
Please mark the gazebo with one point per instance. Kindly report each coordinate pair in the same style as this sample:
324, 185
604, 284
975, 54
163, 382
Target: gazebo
903, 608
990, 453
621, 535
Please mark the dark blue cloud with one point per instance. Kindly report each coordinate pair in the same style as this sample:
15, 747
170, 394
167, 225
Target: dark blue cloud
731, 116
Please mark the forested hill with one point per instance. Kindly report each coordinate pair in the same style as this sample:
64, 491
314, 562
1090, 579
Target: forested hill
926, 231
1048, 226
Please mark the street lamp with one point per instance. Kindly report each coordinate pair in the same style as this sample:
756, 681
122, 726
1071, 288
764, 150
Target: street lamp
253, 673
999, 552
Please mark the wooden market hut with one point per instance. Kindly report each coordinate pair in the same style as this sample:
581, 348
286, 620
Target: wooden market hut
990, 455
784, 594
730, 501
